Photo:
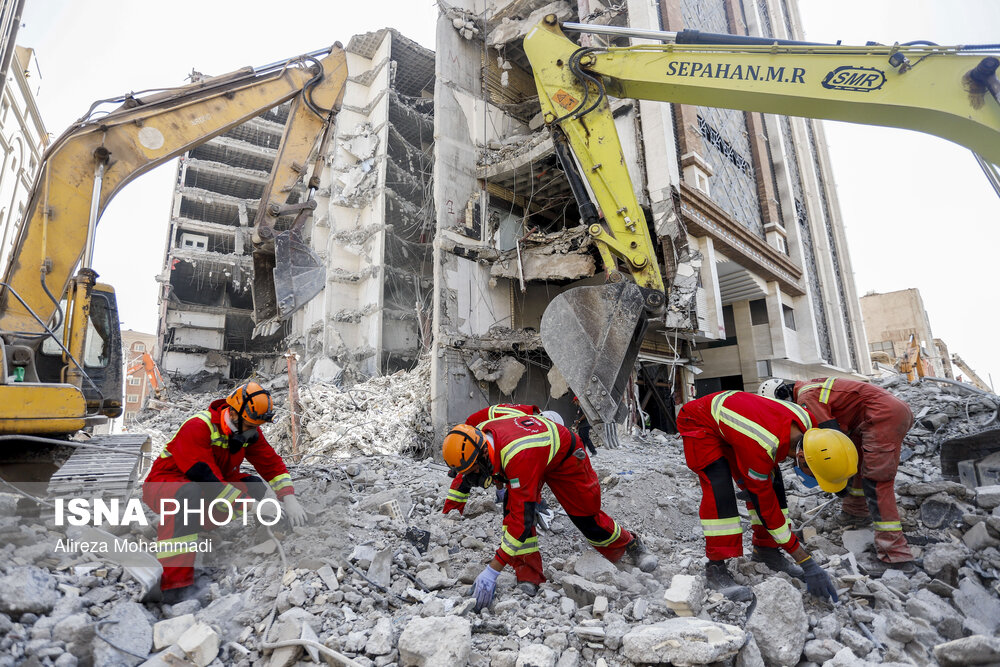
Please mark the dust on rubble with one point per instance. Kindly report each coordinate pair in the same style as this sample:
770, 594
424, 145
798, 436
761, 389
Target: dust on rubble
382, 577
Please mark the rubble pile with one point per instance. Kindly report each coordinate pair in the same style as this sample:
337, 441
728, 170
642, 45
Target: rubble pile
380, 577
943, 411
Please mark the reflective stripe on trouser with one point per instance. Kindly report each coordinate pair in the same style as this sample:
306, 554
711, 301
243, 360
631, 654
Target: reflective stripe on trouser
879, 500
457, 496
720, 519
762, 537
577, 488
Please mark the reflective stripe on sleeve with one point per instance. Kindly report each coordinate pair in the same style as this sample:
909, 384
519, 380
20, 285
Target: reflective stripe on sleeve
281, 481
752, 430
229, 493
782, 534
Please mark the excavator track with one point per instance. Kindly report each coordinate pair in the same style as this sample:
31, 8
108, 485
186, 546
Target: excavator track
93, 473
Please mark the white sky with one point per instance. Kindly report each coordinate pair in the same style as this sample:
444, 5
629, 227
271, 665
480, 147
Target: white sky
918, 210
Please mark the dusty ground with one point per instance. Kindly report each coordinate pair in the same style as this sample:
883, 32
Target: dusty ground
359, 582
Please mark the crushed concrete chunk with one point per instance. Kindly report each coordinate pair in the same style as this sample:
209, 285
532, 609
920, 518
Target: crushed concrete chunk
536, 655
169, 631
27, 590
200, 643
685, 594
432, 641
974, 650
779, 621
683, 642
131, 630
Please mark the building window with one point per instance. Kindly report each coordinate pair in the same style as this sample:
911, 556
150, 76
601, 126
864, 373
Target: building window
132, 398
135, 381
882, 346
194, 241
788, 314
758, 311
138, 347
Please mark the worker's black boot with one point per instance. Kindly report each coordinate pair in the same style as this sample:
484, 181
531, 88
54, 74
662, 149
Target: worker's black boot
775, 560
640, 555
853, 520
719, 579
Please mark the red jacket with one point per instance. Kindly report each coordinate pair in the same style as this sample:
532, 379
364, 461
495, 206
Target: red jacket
525, 448
752, 433
201, 453
458, 492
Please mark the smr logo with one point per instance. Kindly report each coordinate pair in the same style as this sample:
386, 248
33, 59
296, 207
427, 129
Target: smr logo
861, 79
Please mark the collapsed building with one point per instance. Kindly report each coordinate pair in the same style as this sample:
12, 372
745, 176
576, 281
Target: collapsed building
373, 227
747, 224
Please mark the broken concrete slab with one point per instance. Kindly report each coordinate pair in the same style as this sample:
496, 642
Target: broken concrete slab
974, 650
380, 639
536, 655
166, 633
584, 592
988, 497
683, 642
200, 643
436, 640
27, 590
380, 570
685, 594
975, 602
978, 538
779, 622
286, 655
129, 628
858, 541
594, 567
941, 510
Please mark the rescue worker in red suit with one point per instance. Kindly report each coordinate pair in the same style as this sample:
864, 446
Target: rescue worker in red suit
458, 493
523, 452
735, 435
876, 422
201, 463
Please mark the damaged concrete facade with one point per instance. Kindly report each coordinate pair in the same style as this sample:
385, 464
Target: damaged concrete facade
746, 221
373, 227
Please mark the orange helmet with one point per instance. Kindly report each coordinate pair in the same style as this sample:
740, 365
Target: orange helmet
252, 403
462, 447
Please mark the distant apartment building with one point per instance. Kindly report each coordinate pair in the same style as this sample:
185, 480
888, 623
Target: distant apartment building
137, 388
891, 319
22, 140
373, 227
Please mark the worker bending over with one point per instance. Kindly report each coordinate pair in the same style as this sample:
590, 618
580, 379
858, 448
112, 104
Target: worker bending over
521, 453
735, 435
201, 463
876, 422
458, 493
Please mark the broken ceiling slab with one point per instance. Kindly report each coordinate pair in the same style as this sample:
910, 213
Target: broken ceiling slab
506, 372
512, 29
560, 255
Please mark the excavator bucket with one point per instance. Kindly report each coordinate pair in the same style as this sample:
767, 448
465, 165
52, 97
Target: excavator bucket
592, 335
288, 279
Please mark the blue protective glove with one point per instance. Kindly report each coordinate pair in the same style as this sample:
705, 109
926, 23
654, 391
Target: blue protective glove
485, 586
818, 582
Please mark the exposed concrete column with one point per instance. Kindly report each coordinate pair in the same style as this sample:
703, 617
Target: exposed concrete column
712, 317
776, 320
747, 345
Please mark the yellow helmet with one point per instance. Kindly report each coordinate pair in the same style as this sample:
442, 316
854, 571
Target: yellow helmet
831, 456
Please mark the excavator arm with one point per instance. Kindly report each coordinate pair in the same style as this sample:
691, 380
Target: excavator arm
86, 167
592, 334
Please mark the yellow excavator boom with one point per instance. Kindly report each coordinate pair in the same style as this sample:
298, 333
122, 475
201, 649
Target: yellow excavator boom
950, 92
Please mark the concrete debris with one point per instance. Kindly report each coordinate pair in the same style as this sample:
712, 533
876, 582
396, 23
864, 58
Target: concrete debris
436, 640
779, 622
683, 642
510, 30
366, 590
27, 590
685, 594
506, 372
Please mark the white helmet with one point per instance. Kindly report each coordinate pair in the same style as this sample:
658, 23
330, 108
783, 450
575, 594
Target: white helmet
553, 416
769, 387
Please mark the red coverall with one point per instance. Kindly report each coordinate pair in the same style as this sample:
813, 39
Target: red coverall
529, 451
734, 435
198, 464
876, 421
458, 494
